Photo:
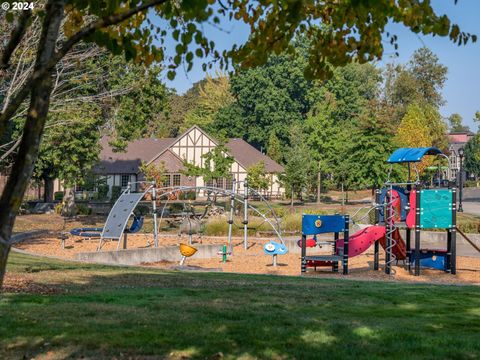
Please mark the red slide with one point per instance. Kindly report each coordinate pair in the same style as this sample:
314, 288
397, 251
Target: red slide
359, 242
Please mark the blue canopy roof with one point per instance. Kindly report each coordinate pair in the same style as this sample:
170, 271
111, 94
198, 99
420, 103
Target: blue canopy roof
412, 154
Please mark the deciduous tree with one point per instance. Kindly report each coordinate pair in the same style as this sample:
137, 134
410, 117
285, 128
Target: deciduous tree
472, 155
257, 177
456, 123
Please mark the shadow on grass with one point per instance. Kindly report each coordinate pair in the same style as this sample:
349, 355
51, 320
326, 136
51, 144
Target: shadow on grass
105, 312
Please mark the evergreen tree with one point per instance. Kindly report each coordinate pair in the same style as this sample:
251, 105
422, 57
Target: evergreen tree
274, 148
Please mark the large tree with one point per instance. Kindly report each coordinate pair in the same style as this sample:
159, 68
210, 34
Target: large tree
214, 94
420, 81
349, 30
269, 99
422, 126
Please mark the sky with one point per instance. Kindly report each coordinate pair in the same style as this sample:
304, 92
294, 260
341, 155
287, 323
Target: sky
462, 89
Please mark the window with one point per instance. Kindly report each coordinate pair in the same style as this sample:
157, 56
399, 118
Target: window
229, 182
210, 183
176, 180
124, 180
167, 181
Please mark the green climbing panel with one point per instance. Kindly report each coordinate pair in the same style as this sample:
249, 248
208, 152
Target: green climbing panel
436, 209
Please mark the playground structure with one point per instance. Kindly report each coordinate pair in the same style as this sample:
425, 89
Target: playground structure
405, 205
322, 224
121, 212
186, 251
123, 209
420, 209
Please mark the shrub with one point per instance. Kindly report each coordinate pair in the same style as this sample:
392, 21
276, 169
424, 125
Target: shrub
116, 191
102, 191
218, 226
471, 183
58, 208
142, 210
468, 224
83, 209
187, 195
58, 195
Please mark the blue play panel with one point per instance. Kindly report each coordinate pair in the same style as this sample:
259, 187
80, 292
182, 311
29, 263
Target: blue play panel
432, 259
321, 224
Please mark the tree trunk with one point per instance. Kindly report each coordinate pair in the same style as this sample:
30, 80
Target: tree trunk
22, 169
48, 191
68, 206
291, 198
319, 186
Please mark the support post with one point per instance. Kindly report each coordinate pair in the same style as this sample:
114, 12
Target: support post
224, 253
408, 231
124, 241
346, 236
388, 218
245, 215
417, 231
335, 263
376, 257
230, 218
154, 209
304, 253
460, 182
408, 245
453, 234
275, 260
448, 265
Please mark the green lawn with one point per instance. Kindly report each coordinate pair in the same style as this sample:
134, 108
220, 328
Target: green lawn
106, 312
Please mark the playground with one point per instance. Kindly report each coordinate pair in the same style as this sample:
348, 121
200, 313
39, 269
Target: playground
400, 220
254, 261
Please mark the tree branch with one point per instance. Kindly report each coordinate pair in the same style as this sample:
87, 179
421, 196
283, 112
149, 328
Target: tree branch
15, 38
67, 45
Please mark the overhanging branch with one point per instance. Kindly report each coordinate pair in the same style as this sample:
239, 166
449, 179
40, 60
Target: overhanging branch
65, 48
15, 38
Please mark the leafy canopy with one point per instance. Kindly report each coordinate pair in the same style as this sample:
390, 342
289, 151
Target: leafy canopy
348, 29
257, 177
217, 164
472, 155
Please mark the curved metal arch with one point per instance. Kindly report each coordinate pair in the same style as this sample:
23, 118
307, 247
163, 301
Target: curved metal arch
277, 220
226, 192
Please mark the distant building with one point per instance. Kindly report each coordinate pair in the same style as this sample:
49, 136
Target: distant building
120, 168
457, 140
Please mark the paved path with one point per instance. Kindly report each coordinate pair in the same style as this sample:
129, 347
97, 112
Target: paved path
471, 207
471, 201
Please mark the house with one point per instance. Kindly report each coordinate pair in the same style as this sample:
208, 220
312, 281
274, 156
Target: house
456, 141
120, 168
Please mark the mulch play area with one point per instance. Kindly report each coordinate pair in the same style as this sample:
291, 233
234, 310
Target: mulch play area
254, 261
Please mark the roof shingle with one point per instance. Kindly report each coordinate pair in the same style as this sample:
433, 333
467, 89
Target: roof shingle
247, 155
129, 161
145, 150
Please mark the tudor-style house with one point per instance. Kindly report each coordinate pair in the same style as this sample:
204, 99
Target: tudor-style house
120, 168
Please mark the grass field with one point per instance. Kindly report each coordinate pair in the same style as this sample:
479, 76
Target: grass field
67, 310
